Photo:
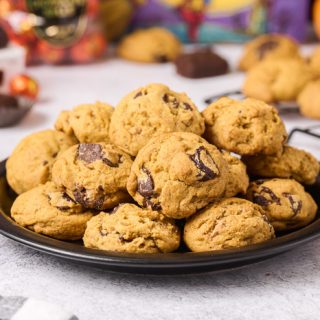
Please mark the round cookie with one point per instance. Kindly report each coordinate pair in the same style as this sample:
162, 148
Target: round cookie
150, 111
177, 173
129, 228
238, 180
268, 47
309, 100
88, 123
31, 161
285, 202
314, 60
94, 174
229, 223
292, 163
48, 210
279, 80
245, 127
154, 45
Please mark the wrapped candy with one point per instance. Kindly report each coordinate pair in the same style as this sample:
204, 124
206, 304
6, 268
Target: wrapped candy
25, 86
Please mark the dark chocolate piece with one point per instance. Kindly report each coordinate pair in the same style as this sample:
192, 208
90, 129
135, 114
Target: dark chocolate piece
262, 200
265, 47
296, 206
148, 203
89, 152
139, 94
146, 184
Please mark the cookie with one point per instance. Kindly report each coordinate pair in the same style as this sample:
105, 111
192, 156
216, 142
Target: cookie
201, 64
88, 123
309, 100
285, 202
279, 80
293, 163
245, 127
238, 180
154, 45
131, 229
268, 47
31, 161
48, 210
227, 224
94, 174
177, 173
150, 111
314, 60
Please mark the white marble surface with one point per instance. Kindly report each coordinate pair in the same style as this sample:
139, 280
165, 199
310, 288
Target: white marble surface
285, 287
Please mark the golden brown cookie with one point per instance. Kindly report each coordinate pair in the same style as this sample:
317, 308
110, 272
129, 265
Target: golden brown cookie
226, 224
153, 45
245, 127
314, 60
309, 100
31, 161
129, 228
292, 163
268, 47
177, 173
94, 174
48, 210
280, 80
150, 111
285, 202
88, 123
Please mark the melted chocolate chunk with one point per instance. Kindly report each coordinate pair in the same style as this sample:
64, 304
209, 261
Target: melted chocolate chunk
296, 206
110, 163
139, 94
265, 47
262, 200
66, 197
209, 174
89, 152
149, 203
44, 163
187, 106
80, 195
146, 184
173, 101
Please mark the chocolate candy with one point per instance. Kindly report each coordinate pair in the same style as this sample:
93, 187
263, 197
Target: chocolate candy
201, 64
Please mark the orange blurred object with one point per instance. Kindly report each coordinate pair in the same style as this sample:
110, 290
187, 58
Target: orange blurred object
24, 85
316, 17
50, 54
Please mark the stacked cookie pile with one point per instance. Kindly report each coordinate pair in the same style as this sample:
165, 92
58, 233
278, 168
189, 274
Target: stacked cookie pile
277, 72
121, 178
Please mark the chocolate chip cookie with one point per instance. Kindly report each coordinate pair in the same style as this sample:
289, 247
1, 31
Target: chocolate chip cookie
177, 173
285, 202
226, 224
153, 45
150, 111
48, 210
94, 174
291, 163
309, 99
279, 80
268, 47
245, 127
129, 228
31, 161
88, 123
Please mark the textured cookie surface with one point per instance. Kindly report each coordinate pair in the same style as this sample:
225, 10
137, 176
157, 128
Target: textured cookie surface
150, 111
268, 47
292, 163
88, 123
280, 80
129, 228
177, 173
285, 202
229, 223
31, 162
150, 45
315, 60
94, 174
48, 210
245, 127
309, 99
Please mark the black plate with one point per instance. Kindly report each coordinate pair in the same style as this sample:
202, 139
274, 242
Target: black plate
172, 263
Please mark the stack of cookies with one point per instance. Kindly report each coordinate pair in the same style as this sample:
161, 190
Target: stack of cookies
154, 172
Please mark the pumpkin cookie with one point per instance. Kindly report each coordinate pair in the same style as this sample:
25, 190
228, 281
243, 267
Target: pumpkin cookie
129, 228
314, 60
309, 100
285, 202
177, 173
229, 223
94, 174
150, 111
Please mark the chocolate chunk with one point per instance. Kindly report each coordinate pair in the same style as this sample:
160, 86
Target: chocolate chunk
262, 200
89, 152
110, 163
201, 64
139, 94
187, 106
44, 163
296, 206
265, 47
150, 204
161, 58
66, 197
80, 194
170, 100
81, 197
4, 39
207, 172
146, 184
